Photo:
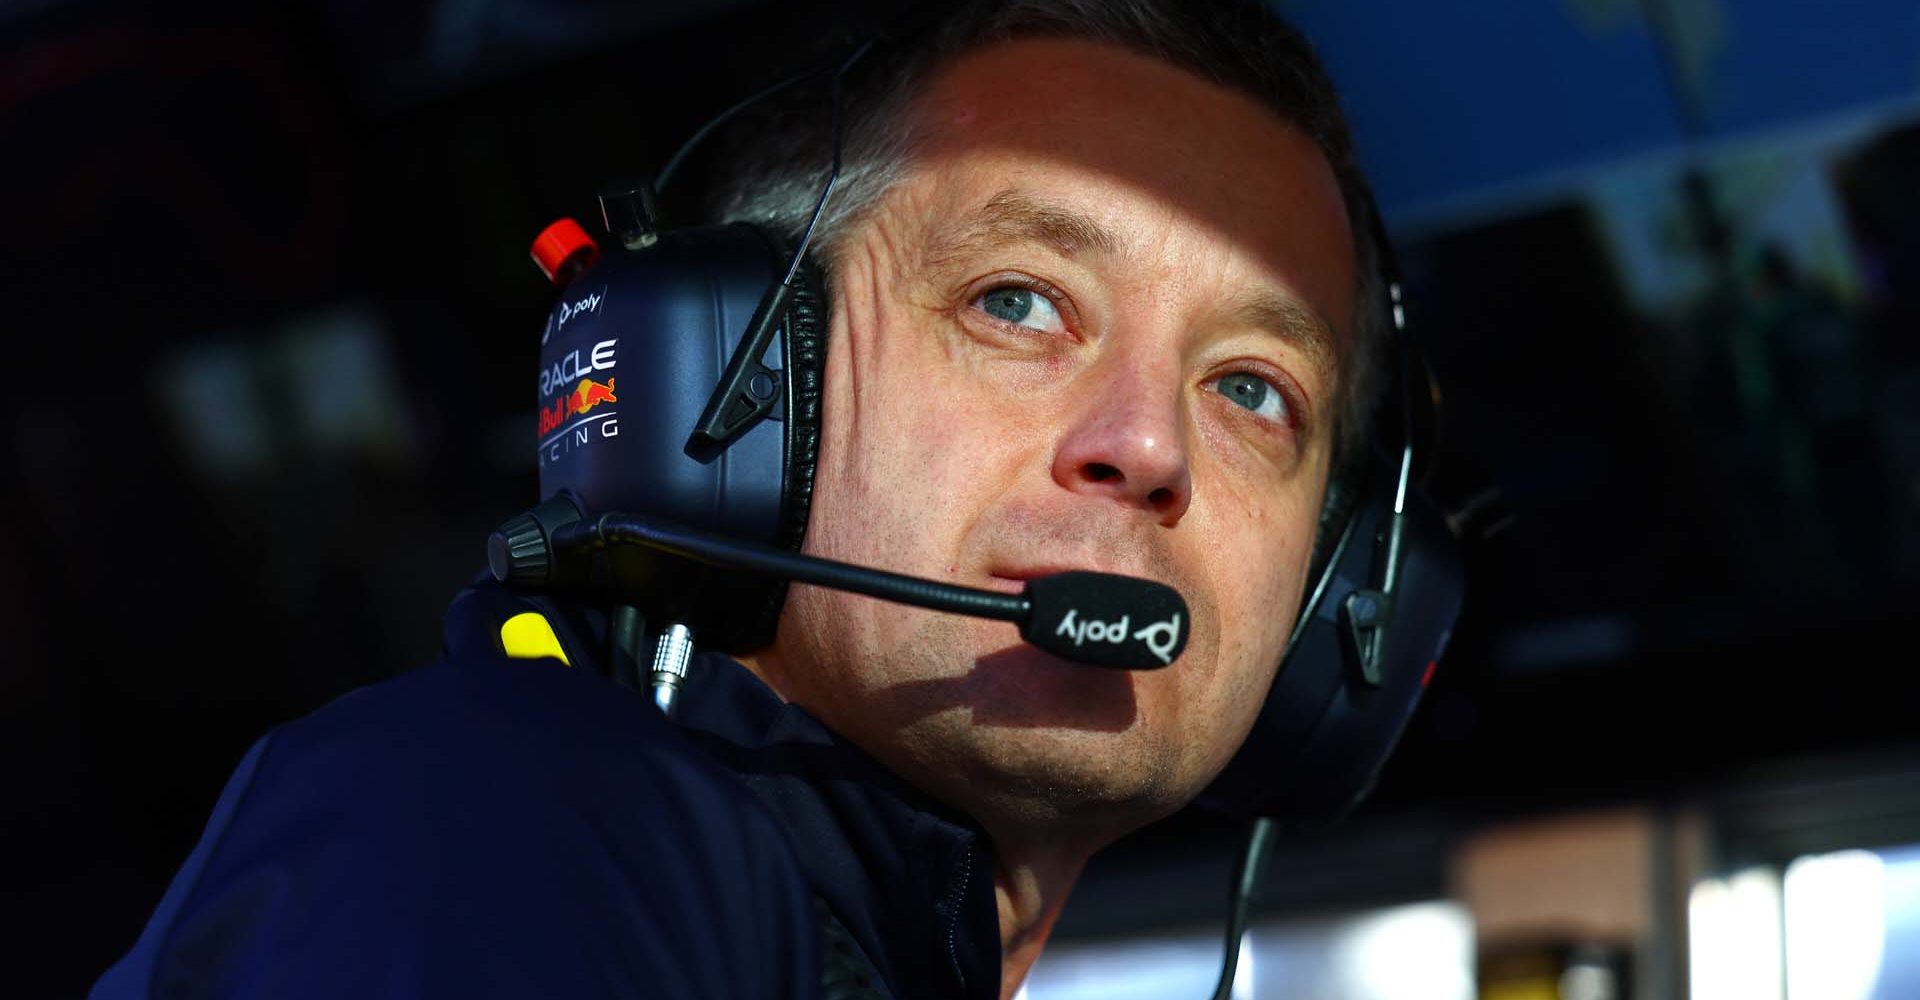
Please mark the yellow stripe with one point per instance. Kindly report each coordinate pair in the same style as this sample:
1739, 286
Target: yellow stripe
527, 636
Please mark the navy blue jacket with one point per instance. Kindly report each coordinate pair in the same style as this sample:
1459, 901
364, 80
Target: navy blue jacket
499, 827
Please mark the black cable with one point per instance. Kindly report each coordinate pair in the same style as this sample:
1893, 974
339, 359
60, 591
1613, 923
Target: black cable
1404, 375
722, 419
673, 162
1246, 883
735, 554
1312, 604
833, 173
628, 626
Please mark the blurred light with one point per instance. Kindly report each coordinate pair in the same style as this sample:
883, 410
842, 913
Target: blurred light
345, 393
1583, 981
1419, 952
215, 403
1733, 930
1836, 907
1900, 969
1147, 969
324, 384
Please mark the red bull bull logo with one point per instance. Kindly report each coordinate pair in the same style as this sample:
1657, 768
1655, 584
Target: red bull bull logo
586, 395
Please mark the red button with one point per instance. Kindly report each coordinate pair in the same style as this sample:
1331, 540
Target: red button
563, 250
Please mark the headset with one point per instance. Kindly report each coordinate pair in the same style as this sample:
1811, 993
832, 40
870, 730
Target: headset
680, 386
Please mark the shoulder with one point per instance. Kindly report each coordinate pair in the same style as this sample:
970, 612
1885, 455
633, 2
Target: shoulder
502, 740
498, 827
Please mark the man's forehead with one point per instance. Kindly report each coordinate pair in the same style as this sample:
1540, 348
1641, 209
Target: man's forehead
1011, 215
1054, 140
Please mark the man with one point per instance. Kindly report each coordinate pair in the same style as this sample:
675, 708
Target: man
1099, 299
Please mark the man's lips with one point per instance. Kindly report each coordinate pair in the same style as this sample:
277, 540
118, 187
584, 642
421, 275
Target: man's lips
1014, 580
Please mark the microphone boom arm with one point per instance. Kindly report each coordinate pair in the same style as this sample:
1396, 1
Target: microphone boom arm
1100, 619
715, 550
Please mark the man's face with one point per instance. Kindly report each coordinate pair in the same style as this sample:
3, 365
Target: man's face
1096, 327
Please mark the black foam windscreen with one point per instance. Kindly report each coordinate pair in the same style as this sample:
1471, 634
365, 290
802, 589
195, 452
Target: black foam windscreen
1105, 619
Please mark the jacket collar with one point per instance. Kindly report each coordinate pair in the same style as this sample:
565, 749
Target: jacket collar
910, 879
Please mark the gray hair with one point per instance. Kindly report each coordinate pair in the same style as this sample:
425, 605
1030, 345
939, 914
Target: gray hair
777, 166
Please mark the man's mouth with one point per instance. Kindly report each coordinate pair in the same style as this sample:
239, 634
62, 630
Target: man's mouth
1013, 579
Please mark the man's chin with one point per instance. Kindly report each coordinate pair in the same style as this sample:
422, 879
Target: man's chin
1024, 687
1044, 777
996, 726
1046, 740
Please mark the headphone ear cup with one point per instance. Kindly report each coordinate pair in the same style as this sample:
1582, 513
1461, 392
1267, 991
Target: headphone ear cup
1324, 731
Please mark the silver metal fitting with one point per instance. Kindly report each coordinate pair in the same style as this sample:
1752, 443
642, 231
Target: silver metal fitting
670, 659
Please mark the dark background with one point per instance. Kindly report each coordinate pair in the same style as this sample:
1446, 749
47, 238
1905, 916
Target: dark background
271, 324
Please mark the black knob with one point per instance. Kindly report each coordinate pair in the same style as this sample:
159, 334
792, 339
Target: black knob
518, 552
521, 552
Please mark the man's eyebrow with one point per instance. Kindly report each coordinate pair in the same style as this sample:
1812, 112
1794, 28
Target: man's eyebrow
1294, 322
1013, 217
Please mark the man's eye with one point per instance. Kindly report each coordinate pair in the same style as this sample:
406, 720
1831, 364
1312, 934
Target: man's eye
1021, 307
1254, 393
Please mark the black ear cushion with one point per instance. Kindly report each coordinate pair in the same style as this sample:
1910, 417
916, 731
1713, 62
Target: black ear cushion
806, 354
1346, 485
806, 366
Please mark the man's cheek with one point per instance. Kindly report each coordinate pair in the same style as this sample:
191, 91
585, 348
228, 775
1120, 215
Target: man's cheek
1255, 619
952, 434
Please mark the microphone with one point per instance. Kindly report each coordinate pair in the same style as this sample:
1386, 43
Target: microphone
1105, 619
1101, 619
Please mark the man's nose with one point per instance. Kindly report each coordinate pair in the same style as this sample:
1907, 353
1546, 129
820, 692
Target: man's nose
1129, 441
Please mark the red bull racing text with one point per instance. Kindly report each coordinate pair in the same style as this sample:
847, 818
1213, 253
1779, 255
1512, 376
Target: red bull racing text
570, 420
